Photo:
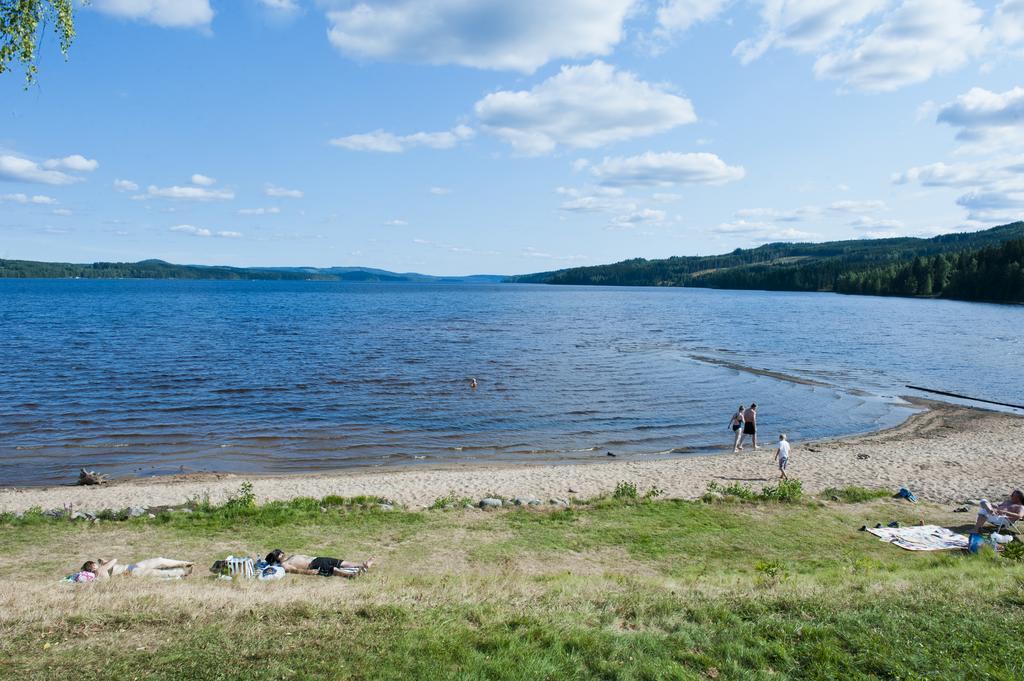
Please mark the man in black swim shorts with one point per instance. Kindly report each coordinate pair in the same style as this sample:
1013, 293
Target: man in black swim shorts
750, 426
322, 566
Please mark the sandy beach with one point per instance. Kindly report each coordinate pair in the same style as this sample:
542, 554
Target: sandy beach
945, 454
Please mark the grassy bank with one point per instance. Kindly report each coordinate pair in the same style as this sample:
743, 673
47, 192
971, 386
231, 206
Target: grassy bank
622, 588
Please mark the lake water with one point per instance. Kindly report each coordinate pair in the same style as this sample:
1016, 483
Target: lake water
158, 377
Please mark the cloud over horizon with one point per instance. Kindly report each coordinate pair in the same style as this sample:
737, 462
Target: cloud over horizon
665, 169
582, 107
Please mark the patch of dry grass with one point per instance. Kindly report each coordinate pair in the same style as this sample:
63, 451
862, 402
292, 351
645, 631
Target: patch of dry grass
617, 590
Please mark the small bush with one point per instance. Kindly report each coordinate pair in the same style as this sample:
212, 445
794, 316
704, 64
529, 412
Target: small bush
770, 572
625, 490
199, 503
108, 514
1014, 550
734, 491
854, 494
450, 499
653, 492
787, 491
243, 500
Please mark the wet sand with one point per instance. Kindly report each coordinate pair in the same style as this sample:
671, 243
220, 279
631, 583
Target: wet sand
946, 454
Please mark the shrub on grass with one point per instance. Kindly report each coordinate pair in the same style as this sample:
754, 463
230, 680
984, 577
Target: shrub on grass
242, 500
734, 491
199, 503
625, 490
787, 491
450, 499
108, 514
1014, 550
854, 494
361, 501
770, 573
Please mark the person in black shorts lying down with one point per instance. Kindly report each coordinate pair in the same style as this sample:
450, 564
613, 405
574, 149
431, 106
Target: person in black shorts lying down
299, 564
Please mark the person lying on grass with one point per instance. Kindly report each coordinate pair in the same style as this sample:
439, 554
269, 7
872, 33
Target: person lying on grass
151, 567
325, 567
1006, 513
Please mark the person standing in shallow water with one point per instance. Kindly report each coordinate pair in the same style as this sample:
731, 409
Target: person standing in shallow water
736, 423
749, 426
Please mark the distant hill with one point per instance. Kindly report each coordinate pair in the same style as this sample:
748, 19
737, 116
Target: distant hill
982, 265
158, 269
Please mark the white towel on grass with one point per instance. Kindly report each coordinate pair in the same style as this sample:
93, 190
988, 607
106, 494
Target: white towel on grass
921, 537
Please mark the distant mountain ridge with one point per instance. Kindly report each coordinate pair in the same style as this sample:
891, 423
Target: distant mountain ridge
159, 269
983, 265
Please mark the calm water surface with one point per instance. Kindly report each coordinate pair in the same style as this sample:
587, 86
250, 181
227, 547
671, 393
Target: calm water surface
156, 377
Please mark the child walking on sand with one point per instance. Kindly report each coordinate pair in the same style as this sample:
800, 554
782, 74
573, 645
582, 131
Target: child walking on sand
782, 456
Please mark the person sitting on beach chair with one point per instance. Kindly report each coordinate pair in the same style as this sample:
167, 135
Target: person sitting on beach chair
325, 567
165, 568
1005, 514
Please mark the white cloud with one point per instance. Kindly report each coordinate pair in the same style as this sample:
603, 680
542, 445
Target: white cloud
1008, 22
595, 200
167, 13
125, 186
995, 188
584, 107
761, 232
857, 206
190, 193
489, 34
531, 252
62, 212
396, 223
987, 121
678, 15
273, 210
18, 169
73, 162
282, 6
203, 180
38, 199
776, 215
941, 174
993, 206
805, 25
440, 191
638, 217
192, 230
665, 169
914, 42
876, 226
282, 193
379, 140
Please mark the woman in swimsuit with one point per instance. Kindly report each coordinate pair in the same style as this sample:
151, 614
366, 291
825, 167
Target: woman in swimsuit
151, 567
325, 567
736, 423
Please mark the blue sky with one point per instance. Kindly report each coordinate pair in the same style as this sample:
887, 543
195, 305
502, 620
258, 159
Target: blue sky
456, 137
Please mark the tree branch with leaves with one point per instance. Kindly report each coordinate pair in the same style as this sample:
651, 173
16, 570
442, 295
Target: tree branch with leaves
23, 23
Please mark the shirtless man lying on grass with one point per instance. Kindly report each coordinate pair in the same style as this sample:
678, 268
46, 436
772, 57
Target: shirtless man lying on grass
325, 567
1006, 513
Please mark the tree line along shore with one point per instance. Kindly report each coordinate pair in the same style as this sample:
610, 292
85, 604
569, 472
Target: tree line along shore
978, 266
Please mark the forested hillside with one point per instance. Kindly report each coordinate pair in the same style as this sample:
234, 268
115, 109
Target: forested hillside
982, 265
158, 269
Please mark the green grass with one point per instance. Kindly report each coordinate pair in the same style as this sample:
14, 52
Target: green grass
854, 494
626, 588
